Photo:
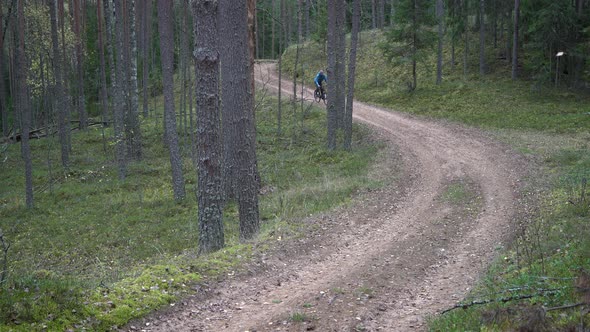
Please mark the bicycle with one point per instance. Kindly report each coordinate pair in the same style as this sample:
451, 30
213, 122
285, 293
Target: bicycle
319, 94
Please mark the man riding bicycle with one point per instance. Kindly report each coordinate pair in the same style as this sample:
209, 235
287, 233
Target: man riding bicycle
319, 79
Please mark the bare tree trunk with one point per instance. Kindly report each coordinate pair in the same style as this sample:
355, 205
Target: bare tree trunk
59, 87
414, 48
3, 105
66, 105
466, 37
336, 16
280, 64
482, 38
373, 14
356, 19
515, 40
307, 22
147, 37
119, 93
165, 27
210, 191
439, 60
132, 126
23, 101
238, 112
104, 98
82, 114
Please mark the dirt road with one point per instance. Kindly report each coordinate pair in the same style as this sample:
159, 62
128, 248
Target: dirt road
394, 257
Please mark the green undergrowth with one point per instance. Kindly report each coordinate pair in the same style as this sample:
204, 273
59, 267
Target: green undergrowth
492, 102
96, 252
548, 263
541, 282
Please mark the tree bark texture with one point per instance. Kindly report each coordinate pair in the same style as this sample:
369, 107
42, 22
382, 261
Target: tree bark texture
238, 113
132, 124
210, 191
165, 27
119, 85
146, 42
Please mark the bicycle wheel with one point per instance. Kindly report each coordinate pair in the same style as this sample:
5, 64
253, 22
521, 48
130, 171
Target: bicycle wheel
324, 96
317, 96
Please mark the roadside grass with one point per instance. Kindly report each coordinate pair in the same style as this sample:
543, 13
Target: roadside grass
547, 265
96, 252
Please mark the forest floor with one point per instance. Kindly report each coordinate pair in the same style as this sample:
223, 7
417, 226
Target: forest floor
390, 259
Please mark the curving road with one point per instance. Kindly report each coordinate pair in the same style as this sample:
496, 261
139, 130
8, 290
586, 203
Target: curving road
391, 259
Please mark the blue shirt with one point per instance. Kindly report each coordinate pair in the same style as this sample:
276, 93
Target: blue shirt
319, 78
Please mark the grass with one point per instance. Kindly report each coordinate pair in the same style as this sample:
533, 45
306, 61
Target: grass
550, 256
96, 252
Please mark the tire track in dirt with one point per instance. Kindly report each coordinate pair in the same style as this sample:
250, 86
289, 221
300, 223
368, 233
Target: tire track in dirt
391, 259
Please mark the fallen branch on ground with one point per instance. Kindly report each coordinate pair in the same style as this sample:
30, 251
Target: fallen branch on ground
540, 292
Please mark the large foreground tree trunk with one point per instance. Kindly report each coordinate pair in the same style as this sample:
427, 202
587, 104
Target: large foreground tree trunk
210, 191
238, 113
165, 27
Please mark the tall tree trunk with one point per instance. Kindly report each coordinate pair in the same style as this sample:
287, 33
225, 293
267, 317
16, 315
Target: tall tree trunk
59, 87
307, 21
515, 40
414, 47
466, 38
3, 105
23, 105
132, 126
210, 192
82, 114
104, 98
339, 83
238, 112
147, 37
482, 38
165, 27
66, 104
280, 65
373, 13
439, 60
119, 85
356, 20
332, 40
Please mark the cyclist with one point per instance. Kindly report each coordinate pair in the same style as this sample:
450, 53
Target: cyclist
319, 79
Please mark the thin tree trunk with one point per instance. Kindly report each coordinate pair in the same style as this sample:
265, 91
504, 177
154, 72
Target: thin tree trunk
482, 38
332, 40
414, 42
373, 14
210, 191
104, 98
23, 102
59, 87
165, 27
356, 18
147, 37
466, 38
3, 105
133, 129
439, 60
280, 65
66, 104
82, 114
515, 40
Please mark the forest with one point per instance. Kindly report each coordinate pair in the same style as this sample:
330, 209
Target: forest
144, 155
